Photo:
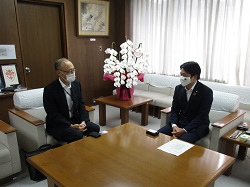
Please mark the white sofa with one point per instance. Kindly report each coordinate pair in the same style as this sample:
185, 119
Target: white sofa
10, 163
28, 117
160, 88
224, 115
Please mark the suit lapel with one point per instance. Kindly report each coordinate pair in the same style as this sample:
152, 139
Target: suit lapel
61, 94
195, 93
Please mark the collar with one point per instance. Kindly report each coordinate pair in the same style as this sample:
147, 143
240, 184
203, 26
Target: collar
191, 87
64, 85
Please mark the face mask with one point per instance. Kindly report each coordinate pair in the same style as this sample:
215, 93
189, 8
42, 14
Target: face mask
184, 80
71, 77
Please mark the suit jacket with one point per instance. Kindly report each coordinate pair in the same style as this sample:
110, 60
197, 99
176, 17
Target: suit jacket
193, 113
56, 107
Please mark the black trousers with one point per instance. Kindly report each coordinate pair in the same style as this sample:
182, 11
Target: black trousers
70, 134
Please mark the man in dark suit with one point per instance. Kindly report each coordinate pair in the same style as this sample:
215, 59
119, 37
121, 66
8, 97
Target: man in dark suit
66, 120
192, 100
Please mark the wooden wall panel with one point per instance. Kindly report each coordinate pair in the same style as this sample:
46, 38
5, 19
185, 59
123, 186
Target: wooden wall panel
9, 34
85, 55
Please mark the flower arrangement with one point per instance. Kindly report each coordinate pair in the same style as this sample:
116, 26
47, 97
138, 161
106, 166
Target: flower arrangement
126, 67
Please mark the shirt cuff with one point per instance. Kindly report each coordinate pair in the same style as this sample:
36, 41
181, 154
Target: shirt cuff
174, 125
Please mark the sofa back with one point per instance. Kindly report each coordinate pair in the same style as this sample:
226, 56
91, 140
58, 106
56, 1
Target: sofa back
31, 101
28, 99
223, 104
165, 81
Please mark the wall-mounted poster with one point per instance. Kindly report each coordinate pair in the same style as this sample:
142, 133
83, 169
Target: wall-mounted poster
9, 74
7, 52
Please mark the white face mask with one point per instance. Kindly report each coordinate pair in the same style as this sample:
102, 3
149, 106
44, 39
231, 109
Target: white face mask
185, 80
71, 77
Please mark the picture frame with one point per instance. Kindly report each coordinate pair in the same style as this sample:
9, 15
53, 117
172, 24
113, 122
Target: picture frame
93, 17
9, 75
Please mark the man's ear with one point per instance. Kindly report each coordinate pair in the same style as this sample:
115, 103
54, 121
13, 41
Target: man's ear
195, 77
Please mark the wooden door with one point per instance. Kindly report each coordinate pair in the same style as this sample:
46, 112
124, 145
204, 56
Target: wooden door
42, 38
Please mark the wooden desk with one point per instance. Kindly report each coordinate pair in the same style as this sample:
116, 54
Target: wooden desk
126, 156
6, 101
124, 106
230, 146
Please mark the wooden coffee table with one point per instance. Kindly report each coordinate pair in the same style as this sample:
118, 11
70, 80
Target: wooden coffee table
127, 156
124, 106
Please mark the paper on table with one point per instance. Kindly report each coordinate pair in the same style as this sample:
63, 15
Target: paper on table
175, 147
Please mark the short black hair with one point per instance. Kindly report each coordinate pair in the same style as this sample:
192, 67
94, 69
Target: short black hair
192, 68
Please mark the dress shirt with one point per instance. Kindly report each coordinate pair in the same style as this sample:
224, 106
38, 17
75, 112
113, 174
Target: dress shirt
67, 91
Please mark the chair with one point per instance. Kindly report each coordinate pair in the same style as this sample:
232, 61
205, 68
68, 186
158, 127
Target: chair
28, 117
224, 115
10, 163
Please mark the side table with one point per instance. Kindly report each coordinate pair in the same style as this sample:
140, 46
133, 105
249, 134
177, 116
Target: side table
230, 146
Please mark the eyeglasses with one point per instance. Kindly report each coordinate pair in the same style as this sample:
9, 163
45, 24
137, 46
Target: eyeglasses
68, 72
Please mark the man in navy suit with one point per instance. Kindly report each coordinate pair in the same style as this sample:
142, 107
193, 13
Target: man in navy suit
192, 100
66, 120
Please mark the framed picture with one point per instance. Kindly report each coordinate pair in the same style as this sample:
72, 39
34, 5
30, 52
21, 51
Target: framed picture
93, 17
9, 75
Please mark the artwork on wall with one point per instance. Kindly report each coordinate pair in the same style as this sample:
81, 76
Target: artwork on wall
93, 17
9, 75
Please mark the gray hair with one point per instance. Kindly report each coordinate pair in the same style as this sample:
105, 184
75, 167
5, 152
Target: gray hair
59, 62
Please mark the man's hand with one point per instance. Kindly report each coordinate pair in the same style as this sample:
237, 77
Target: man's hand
177, 132
82, 126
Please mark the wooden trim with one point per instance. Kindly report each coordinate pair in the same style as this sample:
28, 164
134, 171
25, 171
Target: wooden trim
6, 128
228, 119
166, 110
32, 119
27, 117
89, 109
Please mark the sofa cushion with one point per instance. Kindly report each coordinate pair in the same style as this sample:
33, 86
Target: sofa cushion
25, 99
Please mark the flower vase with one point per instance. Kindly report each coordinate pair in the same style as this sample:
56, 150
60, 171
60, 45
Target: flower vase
125, 93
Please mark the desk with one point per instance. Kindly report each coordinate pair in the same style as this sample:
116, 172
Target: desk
6, 101
230, 146
124, 106
126, 156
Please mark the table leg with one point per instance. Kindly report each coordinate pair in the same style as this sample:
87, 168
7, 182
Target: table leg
124, 115
242, 153
144, 114
102, 114
230, 151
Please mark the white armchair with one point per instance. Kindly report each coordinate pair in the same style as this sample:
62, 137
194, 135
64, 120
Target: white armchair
28, 117
224, 115
10, 163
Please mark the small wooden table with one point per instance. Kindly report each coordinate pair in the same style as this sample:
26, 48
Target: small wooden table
127, 156
124, 106
230, 146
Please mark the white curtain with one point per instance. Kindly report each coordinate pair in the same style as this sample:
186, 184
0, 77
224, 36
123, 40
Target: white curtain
214, 33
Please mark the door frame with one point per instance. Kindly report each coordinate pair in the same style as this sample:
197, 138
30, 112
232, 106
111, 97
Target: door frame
61, 5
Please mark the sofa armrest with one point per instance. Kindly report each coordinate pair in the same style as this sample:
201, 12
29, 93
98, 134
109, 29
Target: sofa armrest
91, 111
5, 128
222, 126
26, 116
30, 130
165, 113
9, 139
